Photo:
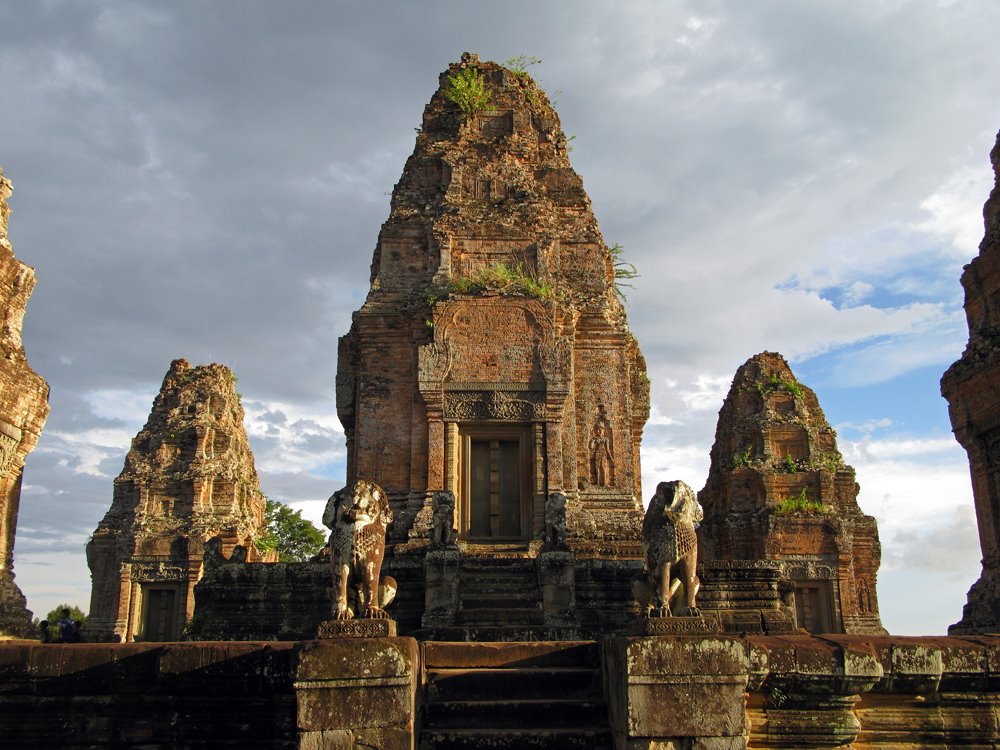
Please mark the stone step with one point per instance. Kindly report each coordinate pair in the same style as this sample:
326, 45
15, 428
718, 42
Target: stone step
444, 655
497, 634
485, 615
499, 600
529, 683
505, 739
539, 713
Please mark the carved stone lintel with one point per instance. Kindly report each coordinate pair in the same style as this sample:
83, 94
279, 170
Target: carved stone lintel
494, 405
357, 628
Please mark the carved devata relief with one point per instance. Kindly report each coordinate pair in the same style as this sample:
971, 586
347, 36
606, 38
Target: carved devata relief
601, 451
8, 449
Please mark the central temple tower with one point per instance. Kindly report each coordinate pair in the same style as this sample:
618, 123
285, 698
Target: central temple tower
492, 357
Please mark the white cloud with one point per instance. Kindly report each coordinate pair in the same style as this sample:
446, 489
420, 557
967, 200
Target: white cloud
955, 208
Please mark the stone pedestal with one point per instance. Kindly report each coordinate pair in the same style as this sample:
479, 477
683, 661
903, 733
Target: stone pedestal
356, 628
677, 692
698, 625
441, 579
557, 581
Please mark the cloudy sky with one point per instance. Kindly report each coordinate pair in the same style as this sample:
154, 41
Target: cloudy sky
207, 180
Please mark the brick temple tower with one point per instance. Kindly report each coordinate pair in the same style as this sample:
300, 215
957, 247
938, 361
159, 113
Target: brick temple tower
189, 476
972, 388
24, 407
778, 490
492, 357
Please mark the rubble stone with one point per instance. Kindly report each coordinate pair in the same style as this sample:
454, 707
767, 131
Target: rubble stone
188, 477
778, 490
972, 388
24, 407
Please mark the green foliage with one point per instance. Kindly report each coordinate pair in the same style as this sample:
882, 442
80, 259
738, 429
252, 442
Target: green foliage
774, 382
293, 537
510, 279
519, 65
832, 461
789, 465
743, 460
467, 90
801, 503
624, 271
569, 150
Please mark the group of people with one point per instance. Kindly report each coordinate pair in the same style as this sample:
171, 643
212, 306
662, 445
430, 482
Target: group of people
67, 629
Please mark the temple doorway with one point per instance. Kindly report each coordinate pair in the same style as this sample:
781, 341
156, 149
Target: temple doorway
159, 621
494, 485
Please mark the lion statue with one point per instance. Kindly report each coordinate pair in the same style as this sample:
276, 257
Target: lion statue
442, 518
670, 541
358, 516
555, 520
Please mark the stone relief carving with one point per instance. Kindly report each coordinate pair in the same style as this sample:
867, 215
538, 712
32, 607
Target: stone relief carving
494, 405
991, 443
10, 438
358, 516
670, 541
443, 518
555, 520
601, 447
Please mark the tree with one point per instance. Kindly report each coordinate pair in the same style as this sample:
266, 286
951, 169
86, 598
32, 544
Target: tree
293, 537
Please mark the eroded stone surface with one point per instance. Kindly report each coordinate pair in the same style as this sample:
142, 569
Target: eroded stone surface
492, 358
188, 477
779, 490
24, 408
972, 388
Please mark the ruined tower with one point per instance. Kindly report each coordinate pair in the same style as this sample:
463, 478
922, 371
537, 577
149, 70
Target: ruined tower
492, 357
189, 476
24, 406
972, 388
778, 489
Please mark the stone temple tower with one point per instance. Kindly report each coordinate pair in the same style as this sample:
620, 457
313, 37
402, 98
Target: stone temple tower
972, 388
24, 406
492, 358
778, 491
188, 477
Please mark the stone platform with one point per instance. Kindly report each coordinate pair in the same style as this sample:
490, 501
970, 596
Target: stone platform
641, 692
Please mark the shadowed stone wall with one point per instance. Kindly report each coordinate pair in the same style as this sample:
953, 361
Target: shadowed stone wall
663, 692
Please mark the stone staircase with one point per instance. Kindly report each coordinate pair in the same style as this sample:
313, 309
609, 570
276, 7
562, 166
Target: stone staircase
513, 695
499, 591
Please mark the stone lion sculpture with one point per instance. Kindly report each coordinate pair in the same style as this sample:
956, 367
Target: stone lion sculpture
555, 520
358, 516
442, 518
670, 541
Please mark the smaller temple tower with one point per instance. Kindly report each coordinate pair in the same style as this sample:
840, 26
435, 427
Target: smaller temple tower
188, 477
778, 490
972, 388
24, 407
